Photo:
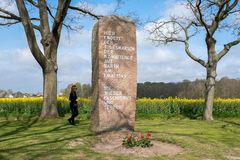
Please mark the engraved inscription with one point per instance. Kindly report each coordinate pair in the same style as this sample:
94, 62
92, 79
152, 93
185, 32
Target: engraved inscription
112, 65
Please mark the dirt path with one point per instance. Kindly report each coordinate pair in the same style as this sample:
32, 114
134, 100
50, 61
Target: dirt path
112, 143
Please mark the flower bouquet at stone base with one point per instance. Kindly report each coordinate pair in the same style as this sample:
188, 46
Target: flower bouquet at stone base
138, 140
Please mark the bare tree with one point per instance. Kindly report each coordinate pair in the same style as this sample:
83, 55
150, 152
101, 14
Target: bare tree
210, 17
49, 23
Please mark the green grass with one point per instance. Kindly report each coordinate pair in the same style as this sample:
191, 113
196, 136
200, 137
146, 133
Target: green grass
51, 139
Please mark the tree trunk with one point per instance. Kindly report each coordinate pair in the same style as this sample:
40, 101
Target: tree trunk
49, 109
209, 94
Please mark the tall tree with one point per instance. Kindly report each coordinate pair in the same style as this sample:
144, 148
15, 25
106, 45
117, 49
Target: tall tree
49, 23
210, 17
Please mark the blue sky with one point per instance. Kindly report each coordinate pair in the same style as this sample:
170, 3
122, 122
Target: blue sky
20, 72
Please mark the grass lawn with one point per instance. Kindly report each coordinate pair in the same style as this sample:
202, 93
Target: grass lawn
56, 139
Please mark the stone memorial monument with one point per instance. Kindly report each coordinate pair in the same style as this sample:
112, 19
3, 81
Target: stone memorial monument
114, 74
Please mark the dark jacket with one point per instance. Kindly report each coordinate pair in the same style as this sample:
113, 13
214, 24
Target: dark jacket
73, 97
73, 104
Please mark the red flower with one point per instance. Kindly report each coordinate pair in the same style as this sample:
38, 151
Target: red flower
142, 136
149, 134
129, 138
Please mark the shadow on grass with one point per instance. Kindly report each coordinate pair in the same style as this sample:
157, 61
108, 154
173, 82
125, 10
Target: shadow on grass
43, 138
36, 150
4, 124
24, 127
3, 158
26, 135
231, 122
57, 129
15, 149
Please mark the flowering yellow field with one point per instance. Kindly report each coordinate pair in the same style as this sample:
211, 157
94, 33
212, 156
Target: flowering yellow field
141, 100
167, 106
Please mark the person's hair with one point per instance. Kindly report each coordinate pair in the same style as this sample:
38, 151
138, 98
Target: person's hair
73, 86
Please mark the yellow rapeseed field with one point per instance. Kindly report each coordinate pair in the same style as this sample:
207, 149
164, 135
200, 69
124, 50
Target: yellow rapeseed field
167, 106
141, 100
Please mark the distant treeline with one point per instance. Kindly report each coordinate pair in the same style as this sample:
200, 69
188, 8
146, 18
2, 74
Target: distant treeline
83, 90
225, 88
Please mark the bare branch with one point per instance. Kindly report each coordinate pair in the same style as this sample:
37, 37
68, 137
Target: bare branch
224, 9
85, 12
9, 15
227, 47
213, 2
192, 56
62, 9
45, 28
198, 3
50, 12
31, 38
35, 19
36, 27
118, 6
9, 23
187, 50
162, 37
219, 16
221, 11
33, 3
70, 27
231, 7
235, 11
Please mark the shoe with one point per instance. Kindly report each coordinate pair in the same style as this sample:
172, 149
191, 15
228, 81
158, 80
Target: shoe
69, 120
73, 123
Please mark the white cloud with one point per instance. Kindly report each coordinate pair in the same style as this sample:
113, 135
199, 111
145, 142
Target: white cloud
73, 68
19, 71
157, 55
74, 58
164, 63
230, 64
160, 28
177, 8
99, 9
9, 5
24, 56
103, 9
163, 69
76, 39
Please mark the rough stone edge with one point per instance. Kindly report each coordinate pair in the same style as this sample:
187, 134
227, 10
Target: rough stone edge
95, 58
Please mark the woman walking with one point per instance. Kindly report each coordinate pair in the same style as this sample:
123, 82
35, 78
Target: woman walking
73, 104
